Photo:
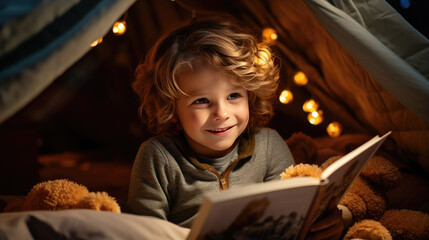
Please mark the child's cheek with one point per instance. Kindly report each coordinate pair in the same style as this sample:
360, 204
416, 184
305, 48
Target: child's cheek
199, 117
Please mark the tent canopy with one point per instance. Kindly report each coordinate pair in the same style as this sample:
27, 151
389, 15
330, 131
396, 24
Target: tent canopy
364, 60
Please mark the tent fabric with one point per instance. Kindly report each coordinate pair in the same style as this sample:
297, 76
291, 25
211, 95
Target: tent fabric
337, 54
396, 39
364, 62
384, 23
22, 19
395, 95
41, 39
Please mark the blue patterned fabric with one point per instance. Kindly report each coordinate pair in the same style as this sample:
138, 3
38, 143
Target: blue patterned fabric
39, 40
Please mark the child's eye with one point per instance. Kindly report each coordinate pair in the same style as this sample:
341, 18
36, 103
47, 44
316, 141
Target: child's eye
201, 101
233, 96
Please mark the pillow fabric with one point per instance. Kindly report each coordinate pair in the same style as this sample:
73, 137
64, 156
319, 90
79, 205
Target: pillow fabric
86, 224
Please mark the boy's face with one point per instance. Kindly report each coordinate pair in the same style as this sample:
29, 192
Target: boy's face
214, 112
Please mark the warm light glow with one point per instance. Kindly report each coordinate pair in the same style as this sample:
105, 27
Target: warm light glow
310, 106
300, 79
286, 97
269, 35
315, 117
334, 129
263, 57
96, 42
119, 27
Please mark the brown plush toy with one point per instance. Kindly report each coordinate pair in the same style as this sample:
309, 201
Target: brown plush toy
365, 204
63, 194
365, 207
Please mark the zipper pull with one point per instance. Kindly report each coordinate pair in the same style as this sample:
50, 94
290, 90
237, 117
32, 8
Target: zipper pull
224, 183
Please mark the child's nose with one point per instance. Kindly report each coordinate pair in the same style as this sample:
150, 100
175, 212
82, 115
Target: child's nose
221, 112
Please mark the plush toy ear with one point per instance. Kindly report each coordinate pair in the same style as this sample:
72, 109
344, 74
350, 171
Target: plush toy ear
302, 147
381, 173
302, 170
368, 229
99, 201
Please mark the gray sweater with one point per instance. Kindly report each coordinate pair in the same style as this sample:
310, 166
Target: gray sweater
168, 181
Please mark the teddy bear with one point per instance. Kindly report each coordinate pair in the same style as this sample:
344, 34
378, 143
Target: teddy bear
365, 206
365, 203
63, 194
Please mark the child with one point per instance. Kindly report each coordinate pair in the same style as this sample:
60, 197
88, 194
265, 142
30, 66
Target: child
207, 89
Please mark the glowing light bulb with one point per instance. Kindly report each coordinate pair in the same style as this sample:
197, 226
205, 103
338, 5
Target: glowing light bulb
96, 42
119, 28
315, 117
300, 79
269, 35
334, 129
286, 97
310, 106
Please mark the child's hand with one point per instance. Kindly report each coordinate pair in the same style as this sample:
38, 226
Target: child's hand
329, 227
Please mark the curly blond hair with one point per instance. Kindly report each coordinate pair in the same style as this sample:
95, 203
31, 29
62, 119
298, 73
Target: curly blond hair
218, 43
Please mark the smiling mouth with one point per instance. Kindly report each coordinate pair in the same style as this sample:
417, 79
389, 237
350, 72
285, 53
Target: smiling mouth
220, 130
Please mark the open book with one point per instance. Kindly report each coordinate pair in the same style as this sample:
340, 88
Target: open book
283, 209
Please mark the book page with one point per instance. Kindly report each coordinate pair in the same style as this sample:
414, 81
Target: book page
272, 210
340, 174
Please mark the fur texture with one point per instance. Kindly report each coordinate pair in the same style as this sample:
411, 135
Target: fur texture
303, 148
63, 194
406, 224
302, 170
366, 201
368, 229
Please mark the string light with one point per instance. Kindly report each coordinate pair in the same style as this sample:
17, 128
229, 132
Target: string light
269, 35
286, 96
119, 28
310, 106
315, 117
300, 79
334, 129
96, 42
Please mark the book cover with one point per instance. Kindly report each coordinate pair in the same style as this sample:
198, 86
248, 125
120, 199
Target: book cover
283, 209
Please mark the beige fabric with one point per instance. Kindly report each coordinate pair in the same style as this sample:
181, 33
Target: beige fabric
342, 84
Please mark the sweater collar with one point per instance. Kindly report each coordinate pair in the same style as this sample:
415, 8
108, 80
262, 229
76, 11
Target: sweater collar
246, 147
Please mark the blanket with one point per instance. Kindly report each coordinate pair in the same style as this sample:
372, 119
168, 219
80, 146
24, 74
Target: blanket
85, 224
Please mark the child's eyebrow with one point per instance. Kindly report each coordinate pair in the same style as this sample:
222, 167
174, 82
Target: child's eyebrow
236, 88
194, 92
199, 92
